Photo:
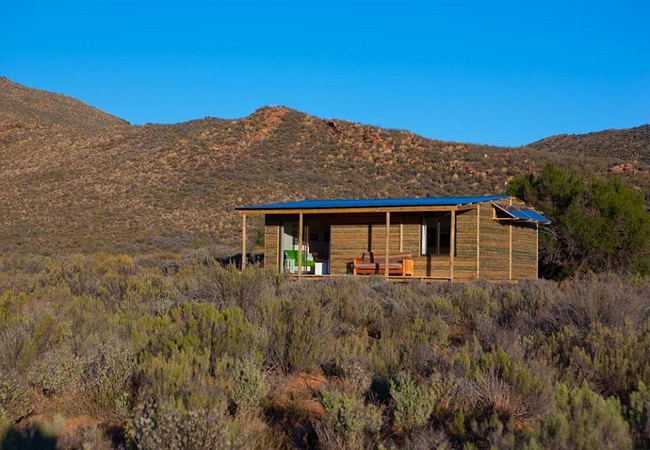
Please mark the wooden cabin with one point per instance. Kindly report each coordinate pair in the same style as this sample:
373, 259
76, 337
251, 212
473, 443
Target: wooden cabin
447, 238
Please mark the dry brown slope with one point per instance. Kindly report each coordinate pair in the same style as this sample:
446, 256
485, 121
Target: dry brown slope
24, 107
169, 187
627, 145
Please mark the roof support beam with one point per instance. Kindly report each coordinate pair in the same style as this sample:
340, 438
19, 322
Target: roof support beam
478, 242
452, 245
510, 248
244, 260
300, 238
386, 271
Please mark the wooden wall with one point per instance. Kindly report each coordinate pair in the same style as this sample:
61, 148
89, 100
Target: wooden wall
352, 234
524, 251
508, 251
504, 251
272, 241
466, 242
494, 245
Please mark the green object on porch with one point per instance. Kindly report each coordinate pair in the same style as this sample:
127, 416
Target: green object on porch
292, 255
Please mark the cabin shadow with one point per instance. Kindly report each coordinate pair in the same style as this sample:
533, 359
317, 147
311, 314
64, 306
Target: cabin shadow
27, 439
252, 259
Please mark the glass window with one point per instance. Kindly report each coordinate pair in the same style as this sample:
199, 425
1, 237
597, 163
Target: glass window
436, 235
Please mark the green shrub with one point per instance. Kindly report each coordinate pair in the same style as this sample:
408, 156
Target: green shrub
351, 363
228, 286
638, 415
611, 360
75, 272
107, 373
14, 400
514, 390
60, 371
148, 291
300, 333
250, 387
384, 357
155, 426
351, 305
421, 342
494, 432
412, 403
11, 308
582, 419
598, 225
349, 424
188, 355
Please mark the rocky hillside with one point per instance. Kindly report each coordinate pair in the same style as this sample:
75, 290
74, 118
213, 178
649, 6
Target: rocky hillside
23, 107
628, 145
73, 178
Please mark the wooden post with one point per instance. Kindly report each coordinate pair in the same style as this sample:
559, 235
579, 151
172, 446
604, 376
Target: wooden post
300, 237
243, 242
510, 247
478, 241
537, 250
386, 272
401, 235
452, 245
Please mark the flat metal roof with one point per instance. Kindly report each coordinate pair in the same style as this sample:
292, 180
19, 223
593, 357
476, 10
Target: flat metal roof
374, 203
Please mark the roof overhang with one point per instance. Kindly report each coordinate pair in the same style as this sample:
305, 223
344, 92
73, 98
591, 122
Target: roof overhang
423, 204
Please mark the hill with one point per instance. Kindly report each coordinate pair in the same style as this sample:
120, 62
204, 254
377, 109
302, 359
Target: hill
24, 107
627, 145
75, 179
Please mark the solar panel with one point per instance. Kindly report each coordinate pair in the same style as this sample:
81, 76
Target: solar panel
522, 213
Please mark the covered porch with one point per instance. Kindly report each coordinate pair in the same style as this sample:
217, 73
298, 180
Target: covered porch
446, 238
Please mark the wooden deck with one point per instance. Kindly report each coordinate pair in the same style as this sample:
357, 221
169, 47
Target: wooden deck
392, 278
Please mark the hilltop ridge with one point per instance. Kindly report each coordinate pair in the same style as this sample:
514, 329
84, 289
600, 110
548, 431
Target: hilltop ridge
76, 179
24, 107
627, 144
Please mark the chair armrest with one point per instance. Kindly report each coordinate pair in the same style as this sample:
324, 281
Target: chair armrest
408, 267
354, 265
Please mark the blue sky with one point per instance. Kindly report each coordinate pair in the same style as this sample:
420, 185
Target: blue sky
505, 73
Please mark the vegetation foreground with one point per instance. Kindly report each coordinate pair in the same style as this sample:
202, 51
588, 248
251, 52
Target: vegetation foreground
106, 351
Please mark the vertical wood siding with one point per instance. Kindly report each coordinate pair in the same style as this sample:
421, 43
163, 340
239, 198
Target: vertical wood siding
271, 241
465, 261
352, 234
524, 251
495, 246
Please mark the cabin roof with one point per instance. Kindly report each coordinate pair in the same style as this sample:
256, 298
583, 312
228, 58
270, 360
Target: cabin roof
512, 213
373, 203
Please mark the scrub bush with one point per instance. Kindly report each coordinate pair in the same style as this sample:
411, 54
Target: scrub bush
250, 387
349, 423
187, 357
299, 333
638, 415
60, 371
581, 419
413, 403
14, 401
155, 426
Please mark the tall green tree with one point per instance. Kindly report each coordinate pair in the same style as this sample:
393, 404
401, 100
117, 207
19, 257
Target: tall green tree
598, 225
